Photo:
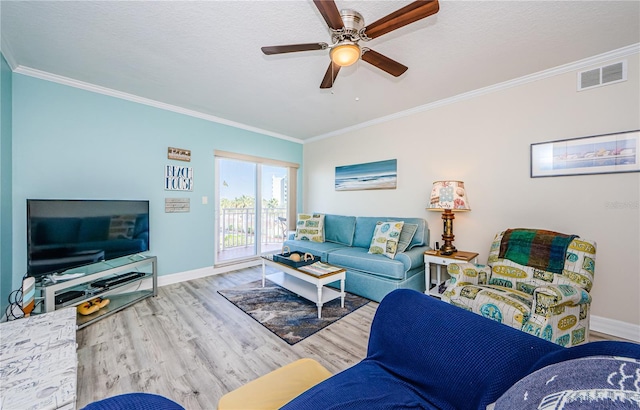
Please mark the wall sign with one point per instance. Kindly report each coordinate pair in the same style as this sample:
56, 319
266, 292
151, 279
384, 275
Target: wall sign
172, 205
180, 154
178, 178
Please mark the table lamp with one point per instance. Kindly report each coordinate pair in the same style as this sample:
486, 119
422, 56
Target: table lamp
448, 196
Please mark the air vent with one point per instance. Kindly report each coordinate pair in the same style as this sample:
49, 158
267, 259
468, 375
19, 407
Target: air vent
609, 74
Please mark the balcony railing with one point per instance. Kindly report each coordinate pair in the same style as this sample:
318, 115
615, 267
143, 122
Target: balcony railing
237, 226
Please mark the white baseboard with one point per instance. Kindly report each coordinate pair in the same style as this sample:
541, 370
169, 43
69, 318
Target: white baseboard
616, 328
165, 280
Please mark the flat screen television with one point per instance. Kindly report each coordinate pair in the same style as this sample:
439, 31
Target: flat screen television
64, 234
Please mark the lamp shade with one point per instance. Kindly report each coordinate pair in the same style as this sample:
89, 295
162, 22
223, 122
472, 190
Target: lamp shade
345, 54
448, 195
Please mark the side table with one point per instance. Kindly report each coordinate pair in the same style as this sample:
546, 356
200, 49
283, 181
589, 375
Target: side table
436, 258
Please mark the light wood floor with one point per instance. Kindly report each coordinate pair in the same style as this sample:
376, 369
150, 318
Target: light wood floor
191, 345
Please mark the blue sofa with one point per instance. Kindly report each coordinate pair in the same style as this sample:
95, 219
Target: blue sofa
426, 354
347, 240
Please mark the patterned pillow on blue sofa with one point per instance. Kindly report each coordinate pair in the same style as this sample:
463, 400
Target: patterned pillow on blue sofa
385, 238
310, 227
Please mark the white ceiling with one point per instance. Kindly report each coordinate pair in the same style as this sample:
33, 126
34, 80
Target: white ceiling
205, 56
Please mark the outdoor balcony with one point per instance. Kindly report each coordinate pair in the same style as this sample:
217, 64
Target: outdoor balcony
237, 233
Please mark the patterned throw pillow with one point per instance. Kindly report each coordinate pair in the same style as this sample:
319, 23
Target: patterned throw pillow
595, 382
310, 227
407, 234
385, 238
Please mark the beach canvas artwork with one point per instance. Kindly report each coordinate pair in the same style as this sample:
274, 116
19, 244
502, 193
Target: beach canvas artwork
371, 175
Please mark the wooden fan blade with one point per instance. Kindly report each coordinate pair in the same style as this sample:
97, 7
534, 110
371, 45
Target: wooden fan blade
384, 63
399, 18
330, 13
330, 75
292, 48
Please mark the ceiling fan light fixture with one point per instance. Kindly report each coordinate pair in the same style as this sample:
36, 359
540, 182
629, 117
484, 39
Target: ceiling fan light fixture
345, 54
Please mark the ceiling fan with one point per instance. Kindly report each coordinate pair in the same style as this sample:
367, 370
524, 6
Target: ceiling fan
347, 30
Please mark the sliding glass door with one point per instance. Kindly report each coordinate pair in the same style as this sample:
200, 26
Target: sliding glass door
247, 227
274, 207
237, 209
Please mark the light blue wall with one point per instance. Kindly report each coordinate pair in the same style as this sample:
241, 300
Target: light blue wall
5, 183
71, 143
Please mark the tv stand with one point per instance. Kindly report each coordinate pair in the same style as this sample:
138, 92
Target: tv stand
73, 292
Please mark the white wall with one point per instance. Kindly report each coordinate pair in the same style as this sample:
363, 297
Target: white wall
485, 141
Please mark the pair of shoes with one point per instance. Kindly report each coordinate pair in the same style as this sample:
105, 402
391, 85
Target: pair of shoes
92, 306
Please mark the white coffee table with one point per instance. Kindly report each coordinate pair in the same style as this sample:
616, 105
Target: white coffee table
309, 286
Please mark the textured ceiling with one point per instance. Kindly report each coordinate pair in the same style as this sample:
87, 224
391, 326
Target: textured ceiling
205, 56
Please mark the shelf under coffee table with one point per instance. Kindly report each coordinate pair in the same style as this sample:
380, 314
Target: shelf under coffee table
307, 285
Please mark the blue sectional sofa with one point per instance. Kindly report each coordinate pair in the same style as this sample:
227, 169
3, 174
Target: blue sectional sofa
347, 240
426, 354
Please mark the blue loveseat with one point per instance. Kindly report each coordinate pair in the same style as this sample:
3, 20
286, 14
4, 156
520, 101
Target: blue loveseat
347, 240
426, 354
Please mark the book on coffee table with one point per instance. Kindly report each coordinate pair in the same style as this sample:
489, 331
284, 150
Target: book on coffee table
320, 269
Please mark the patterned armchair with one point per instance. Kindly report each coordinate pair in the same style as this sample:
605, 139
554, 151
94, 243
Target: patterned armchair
536, 281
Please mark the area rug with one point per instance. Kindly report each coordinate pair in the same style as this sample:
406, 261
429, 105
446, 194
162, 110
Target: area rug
290, 317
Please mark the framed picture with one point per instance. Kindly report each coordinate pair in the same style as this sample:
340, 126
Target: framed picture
371, 175
598, 154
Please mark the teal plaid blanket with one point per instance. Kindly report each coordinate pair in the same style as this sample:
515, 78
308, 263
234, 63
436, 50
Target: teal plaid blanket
537, 248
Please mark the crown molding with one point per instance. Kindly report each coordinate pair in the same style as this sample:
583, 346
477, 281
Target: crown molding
575, 66
43, 75
8, 53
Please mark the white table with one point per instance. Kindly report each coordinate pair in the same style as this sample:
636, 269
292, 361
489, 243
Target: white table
307, 285
38, 362
440, 260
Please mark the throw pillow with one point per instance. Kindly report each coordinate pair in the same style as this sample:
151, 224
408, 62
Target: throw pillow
595, 382
408, 231
385, 238
310, 227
